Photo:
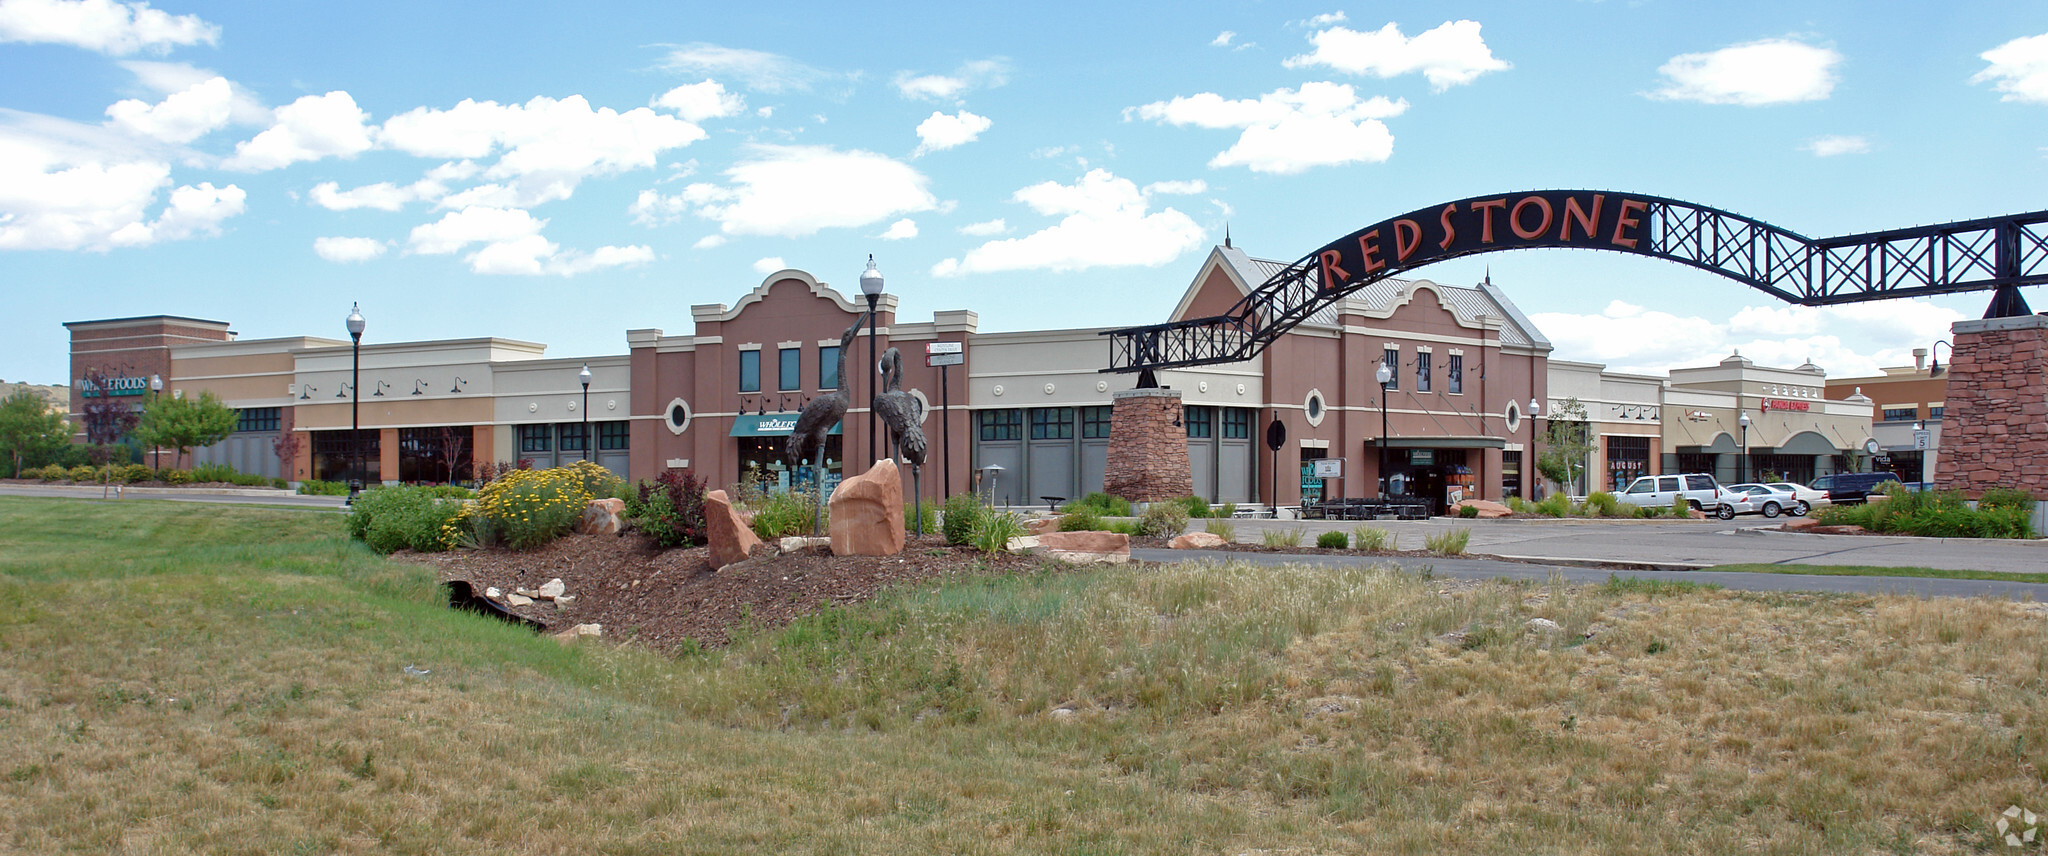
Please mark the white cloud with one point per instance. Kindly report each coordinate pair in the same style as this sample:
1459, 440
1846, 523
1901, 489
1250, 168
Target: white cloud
1222, 39
899, 230
548, 146
311, 128
383, 196
1326, 19
939, 131
1289, 131
104, 26
654, 209
1104, 222
67, 186
794, 191
1752, 74
513, 245
1177, 188
345, 250
181, 117
191, 211
709, 242
985, 228
770, 264
170, 78
1847, 340
696, 102
2018, 68
979, 74
1829, 146
1447, 56
757, 70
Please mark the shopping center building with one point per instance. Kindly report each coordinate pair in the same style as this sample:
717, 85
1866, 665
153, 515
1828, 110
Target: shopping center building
1022, 416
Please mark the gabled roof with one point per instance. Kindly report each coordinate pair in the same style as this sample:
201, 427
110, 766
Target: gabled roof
1379, 299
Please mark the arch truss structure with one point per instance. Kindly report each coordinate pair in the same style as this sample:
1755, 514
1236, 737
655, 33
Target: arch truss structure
1995, 253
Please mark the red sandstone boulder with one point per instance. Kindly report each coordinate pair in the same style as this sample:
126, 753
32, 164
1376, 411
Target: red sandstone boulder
867, 513
1042, 525
601, 517
1487, 508
729, 535
1086, 547
1798, 523
1197, 541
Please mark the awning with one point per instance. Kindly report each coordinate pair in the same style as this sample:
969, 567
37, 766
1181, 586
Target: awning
769, 425
1455, 442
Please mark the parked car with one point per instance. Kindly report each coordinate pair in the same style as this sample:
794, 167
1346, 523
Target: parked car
1699, 489
1851, 488
1763, 499
1809, 498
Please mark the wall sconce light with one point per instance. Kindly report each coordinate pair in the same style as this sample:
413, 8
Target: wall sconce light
458, 385
381, 386
305, 391
344, 390
417, 384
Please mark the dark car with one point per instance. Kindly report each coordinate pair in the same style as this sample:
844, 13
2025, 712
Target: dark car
1851, 487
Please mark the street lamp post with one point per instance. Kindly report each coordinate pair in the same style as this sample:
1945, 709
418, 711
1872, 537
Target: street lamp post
871, 285
156, 452
1384, 374
355, 423
584, 376
1743, 472
1535, 461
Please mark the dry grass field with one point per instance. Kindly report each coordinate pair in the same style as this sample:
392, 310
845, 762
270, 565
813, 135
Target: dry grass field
197, 679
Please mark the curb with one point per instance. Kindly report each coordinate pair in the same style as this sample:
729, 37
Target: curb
1781, 530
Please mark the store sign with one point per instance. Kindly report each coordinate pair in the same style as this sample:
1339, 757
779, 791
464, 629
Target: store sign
1421, 457
115, 386
937, 360
770, 425
942, 347
1549, 218
1781, 404
1330, 468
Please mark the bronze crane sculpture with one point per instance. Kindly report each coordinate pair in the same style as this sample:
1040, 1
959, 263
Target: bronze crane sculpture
807, 440
903, 413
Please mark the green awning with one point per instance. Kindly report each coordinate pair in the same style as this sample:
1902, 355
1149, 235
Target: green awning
1441, 441
769, 425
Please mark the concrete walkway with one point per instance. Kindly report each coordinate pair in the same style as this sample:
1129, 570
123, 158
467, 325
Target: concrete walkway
233, 495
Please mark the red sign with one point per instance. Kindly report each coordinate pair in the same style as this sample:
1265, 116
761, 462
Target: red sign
1781, 404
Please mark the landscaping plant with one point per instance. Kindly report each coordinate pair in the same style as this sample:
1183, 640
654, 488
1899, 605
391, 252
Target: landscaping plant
1333, 540
994, 529
960, 513
1283, 537
1221, 528
1103, 504
1163, 519
402, 517
528, 508
1373, 538
1451, 543
670, 509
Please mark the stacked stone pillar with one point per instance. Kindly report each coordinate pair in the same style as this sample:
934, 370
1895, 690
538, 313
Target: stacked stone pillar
1148, 453
1995, 430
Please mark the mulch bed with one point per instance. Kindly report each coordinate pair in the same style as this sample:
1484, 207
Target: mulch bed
671, 599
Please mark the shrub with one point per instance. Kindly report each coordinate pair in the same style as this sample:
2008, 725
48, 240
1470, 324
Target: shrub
1450, 543
449, 491
213, 473
779, 515
529, 508
1229, 510
1103, 504
2005, 497
930, 509
961, 512
1283, 537
1197, 507
993, 530
1603, 504
316, 487
1221, 528
83, 473
1468, 511
1680, 508
1333, 540
1555, 505
133, 473
1374, 538
1519, 505
1163, 519
670, 509
392, 518
1081, 519
177, 477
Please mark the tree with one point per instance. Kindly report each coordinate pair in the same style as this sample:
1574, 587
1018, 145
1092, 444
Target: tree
29, 429
107, 420
286, 445
1569, 442
182, 423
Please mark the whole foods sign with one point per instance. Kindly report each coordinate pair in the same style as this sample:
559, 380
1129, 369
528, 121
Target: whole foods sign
1547, 218
114, 386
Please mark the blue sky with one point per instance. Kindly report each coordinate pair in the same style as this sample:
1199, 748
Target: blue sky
521, 170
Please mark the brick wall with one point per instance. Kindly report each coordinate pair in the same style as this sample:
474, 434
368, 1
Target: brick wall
1995, 432
1148, 454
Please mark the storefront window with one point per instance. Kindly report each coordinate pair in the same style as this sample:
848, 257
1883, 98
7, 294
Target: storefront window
434, 455
1095, 422
1052, 423
572, 436
536, 438
1392, 360
1454, 379
334, 455
257, 419
1422, 371
791, 364
1237, 423
1002, 424
1627, 459
612, 436
828, 367
750, 371
1201, 421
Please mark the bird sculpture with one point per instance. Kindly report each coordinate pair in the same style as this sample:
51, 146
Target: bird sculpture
902, 413
807, 441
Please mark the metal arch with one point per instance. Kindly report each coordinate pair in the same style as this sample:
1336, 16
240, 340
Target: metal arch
1994, 253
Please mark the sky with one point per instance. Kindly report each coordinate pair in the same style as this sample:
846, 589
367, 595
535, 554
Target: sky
561, 174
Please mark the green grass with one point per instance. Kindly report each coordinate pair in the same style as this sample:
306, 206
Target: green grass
198, 678
1879, 571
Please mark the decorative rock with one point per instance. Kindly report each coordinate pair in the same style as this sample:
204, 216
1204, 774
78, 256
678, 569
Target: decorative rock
553, 589
1697, 514
1544, 624
1487, 508
518, 600
564, 601
867, 513
525, 592
1022, 544
1086, 547
1798, 523
730, 537
1042, 525
1197, 541
580, 631
601, 517
798, 544
493, 593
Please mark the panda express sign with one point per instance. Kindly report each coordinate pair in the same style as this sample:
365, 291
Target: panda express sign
1546, 218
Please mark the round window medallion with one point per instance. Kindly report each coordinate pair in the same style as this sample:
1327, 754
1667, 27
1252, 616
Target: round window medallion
612, 404
532, 407
1314, 407
998, 390
1513, 415
1240, 389
1048, 389
1102, 386
678, 418
572, 406
1203, 386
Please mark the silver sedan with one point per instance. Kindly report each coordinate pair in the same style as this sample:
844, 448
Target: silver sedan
1764, 499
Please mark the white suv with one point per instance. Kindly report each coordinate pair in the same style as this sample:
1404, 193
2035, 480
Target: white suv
1699, 489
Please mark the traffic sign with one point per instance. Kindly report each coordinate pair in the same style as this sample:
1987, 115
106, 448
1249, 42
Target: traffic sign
942, 347
936, 360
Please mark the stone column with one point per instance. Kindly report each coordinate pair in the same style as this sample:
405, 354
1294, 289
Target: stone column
1995, 430
1148, 454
